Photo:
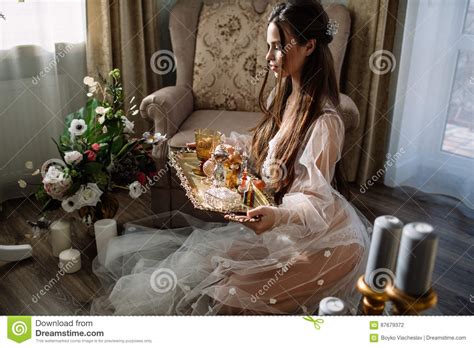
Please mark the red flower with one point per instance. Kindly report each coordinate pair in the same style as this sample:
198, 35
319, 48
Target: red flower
141, 177
95, 147
91, 155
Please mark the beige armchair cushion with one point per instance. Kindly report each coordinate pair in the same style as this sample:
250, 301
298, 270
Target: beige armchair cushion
229, 63
222, 120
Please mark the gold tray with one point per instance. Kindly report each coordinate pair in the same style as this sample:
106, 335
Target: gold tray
184, 161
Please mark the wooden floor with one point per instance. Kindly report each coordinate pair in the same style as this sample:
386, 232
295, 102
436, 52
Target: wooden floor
453, 277
21, 283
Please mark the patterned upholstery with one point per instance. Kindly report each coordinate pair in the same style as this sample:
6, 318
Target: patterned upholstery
229, 62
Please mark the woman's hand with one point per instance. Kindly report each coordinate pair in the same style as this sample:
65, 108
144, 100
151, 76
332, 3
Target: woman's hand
267, 219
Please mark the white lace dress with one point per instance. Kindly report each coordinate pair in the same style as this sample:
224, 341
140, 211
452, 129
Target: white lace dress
317, 248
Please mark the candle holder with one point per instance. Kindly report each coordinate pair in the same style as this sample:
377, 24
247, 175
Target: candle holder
373, 302
405, 304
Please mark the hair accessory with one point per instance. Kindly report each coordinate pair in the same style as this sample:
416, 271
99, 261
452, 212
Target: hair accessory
332, 27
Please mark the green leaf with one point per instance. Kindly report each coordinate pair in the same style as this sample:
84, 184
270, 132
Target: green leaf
92, 167
117, 144
61, 153
86, 113
126, 148
89, 113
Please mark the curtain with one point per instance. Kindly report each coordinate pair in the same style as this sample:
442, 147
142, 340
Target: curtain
42, 64
124, 35
369, 64
432, 138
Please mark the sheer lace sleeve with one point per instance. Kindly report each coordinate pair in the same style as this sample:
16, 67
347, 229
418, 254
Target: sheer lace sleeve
310, 201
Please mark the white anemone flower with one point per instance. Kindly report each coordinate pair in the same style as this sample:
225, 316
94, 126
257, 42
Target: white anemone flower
70, 204
78, 127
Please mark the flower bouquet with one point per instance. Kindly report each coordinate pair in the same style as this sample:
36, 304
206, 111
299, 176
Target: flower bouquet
98, 154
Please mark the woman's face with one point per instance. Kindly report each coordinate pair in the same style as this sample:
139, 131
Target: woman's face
295, 54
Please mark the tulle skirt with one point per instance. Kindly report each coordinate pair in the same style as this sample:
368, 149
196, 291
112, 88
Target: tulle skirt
207, 268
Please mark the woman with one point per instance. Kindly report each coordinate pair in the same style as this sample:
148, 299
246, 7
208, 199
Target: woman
312, 245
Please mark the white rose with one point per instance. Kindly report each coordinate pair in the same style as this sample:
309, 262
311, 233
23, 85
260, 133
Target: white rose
55, 182
78, 127
135, 189
89, 195
73, 157
129, 125
53, 176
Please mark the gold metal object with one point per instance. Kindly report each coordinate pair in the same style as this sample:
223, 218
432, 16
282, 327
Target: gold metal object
373, 302
206, 142
183, 161
404, 304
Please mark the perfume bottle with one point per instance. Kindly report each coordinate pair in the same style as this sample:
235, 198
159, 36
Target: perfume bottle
244, 182
249, 194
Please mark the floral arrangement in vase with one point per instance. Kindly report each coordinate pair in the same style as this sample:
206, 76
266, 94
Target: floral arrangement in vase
97, 154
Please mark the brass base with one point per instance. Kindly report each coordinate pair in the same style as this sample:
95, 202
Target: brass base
373, 302
404, 304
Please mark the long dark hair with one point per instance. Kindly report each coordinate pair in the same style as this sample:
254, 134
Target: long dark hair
304, 20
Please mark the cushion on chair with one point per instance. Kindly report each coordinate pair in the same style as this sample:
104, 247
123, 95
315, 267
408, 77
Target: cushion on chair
221, 120
229, 62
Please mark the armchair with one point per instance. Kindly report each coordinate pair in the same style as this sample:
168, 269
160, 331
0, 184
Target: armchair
219, 50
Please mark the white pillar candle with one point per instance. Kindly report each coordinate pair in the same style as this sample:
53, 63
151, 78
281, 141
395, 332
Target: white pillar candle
60, 236
383, 252
416, 258
332, 306
104, 230
70, 260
